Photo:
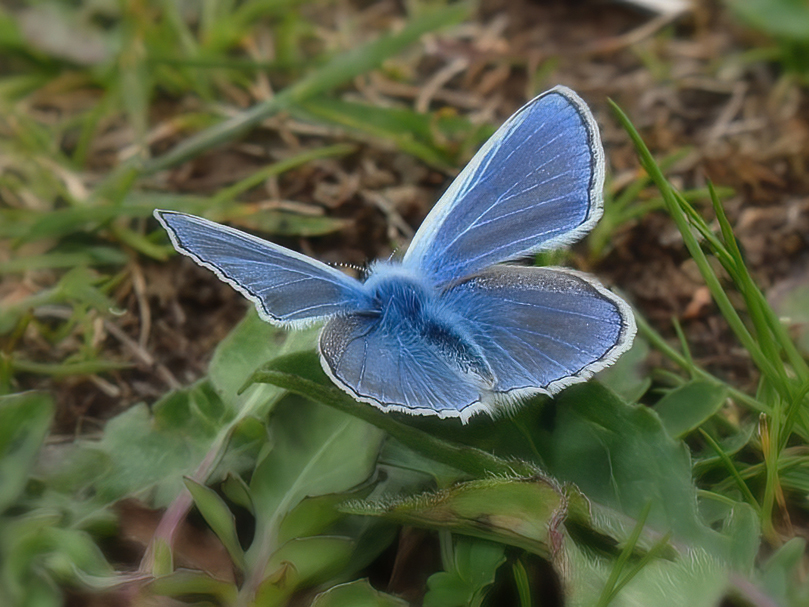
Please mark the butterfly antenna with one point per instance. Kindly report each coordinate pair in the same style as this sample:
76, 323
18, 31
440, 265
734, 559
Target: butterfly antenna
362, 270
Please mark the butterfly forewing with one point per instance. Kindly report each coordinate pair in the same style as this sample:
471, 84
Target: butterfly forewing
286, 287
535, 184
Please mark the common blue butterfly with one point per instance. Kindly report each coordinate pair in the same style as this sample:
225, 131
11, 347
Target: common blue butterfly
447, 331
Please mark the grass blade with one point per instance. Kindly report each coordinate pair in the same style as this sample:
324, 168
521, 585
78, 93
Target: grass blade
339, 70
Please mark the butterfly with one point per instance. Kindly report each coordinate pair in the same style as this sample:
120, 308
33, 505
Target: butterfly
449, 330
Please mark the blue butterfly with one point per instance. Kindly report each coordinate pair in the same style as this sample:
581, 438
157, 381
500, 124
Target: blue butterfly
446, 331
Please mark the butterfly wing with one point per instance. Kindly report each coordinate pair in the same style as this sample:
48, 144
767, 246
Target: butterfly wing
287, 288
542, 329
538, 329
395, 369
537, 183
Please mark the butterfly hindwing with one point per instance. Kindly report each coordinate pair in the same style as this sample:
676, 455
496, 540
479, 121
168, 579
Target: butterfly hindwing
541, 329
395, 369
287, 287
537, 183
538, 329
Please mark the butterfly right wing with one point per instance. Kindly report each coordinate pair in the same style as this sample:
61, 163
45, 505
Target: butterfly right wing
542, 329
535, 185
287, 288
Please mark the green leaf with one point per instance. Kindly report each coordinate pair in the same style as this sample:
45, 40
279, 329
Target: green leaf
315, 451
153, 451
474, 566
522, 512
314, 515
629, 377
24, 422
217, 514
358, 593
238, 492
302, 374
695, 579
72, 550
36, 553
249, 345
686, 408
302, 562
395, 455
621, 458
184, 582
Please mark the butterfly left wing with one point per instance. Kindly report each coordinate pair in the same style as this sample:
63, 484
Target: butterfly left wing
537, 183
541, 329
287, 288
395, 369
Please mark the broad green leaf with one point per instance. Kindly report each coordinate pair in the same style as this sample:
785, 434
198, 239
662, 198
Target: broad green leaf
217, 514
358, 593
695, 579
245, 437
154, 450
251, 344
302, 562
475, 563
620, 456
686, 408
315, 451
24, 422
69, 550
629, 377
314, 515
524, 512
301, 373
424, 469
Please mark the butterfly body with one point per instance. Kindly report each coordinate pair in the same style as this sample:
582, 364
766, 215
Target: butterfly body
449, 330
